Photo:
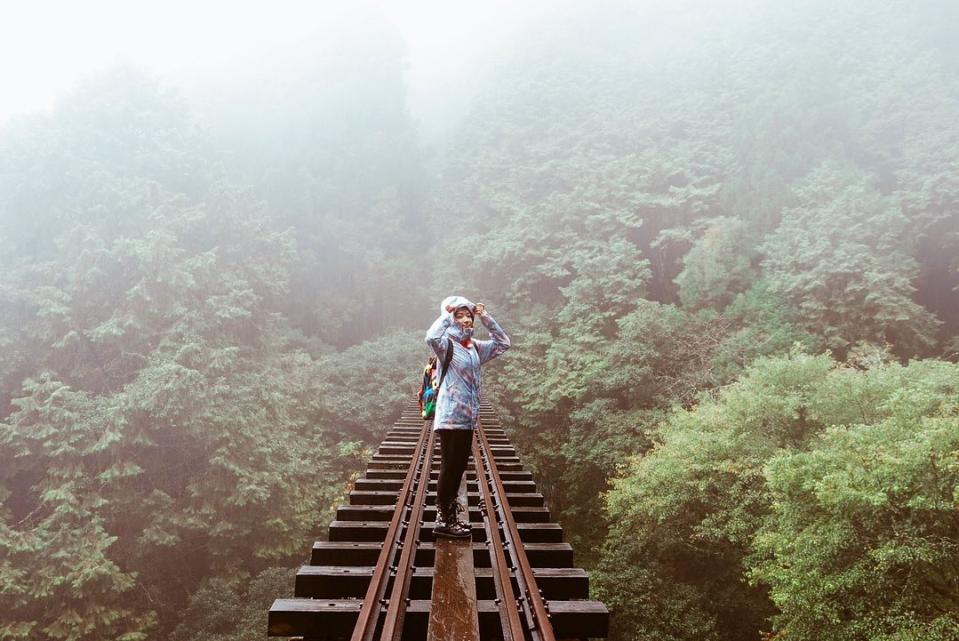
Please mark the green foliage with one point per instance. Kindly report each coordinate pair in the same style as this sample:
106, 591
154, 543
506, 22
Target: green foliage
839, 259
349, 393
60, 551
863, 542
715, 268
664, 355
233, 609
766, 481
684, 512
761, 325
161, 425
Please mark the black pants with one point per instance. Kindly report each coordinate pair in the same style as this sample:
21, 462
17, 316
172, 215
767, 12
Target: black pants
455, 448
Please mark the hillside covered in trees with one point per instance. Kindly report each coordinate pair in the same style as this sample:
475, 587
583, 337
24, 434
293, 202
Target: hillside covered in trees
724, 240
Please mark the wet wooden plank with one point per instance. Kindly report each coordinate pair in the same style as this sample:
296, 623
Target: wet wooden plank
373, 531
351, 581
545, 555
335, 618
385, 512
453, 614
517, 499
579, 619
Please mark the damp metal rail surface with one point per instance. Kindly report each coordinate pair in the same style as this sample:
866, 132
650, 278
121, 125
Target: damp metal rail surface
510, 622
496, 506
406, 515
379, 576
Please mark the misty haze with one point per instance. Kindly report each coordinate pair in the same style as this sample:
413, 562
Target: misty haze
713, 248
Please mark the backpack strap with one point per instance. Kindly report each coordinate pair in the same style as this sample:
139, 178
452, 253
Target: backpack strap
446, 362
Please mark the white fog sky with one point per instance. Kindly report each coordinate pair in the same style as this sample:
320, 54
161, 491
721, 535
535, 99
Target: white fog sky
47, 46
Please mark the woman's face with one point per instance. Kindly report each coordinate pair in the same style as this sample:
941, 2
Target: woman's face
463, 318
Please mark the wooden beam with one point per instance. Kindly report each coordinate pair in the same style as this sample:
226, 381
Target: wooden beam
453, 614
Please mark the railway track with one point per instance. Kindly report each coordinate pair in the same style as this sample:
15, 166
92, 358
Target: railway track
381, 575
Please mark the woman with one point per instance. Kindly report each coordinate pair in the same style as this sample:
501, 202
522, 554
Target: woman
457, 404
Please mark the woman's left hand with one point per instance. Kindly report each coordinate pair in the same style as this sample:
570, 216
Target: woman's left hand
480, 309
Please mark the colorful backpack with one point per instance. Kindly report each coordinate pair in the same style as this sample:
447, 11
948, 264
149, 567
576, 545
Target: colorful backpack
428, 393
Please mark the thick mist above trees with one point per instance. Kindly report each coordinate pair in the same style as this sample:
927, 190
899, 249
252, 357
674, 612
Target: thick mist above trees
724, 240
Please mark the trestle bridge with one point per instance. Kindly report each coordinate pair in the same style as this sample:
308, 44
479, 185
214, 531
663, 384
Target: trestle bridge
381, 575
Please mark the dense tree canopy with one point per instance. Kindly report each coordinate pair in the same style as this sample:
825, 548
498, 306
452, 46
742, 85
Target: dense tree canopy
831, 488
161, 425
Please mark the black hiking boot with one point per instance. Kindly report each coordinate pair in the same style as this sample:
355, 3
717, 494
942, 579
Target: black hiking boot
447, 526
456, 508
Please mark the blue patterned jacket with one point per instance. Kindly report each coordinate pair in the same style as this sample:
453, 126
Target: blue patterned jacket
457, 405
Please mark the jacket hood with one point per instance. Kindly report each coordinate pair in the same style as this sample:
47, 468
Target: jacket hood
454, 331
456, 302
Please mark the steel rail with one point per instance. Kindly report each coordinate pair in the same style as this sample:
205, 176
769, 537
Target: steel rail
369, 612
502, 581
396, 610
531, 602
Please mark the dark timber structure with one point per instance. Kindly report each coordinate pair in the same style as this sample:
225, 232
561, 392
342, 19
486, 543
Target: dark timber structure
382, 576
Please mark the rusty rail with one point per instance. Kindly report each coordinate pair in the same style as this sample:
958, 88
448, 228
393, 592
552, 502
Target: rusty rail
396, 610
502, 580
531, 601
366, 624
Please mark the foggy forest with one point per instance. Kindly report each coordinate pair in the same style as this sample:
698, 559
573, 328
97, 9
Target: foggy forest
723, 238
